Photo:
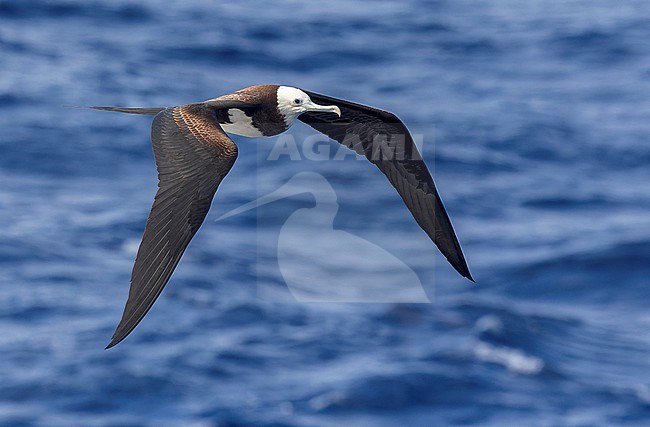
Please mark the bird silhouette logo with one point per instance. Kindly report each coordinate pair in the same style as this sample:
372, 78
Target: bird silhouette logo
322, 264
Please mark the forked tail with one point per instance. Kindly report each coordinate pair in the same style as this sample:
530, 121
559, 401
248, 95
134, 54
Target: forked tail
152, 111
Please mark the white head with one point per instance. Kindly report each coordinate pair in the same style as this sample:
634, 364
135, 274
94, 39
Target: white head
292, 102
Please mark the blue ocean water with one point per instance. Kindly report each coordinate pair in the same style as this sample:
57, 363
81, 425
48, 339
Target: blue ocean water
534, 116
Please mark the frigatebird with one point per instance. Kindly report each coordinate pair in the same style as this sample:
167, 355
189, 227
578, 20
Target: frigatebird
193, 154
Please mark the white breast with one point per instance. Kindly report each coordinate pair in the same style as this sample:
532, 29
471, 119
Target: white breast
240, 124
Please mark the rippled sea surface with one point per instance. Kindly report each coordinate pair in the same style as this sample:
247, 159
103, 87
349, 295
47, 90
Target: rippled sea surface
534, 116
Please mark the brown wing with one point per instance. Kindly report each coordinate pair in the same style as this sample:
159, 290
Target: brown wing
386, 142
193, 155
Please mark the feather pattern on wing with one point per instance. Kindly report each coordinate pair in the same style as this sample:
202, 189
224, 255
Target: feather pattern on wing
193, 155
386, 142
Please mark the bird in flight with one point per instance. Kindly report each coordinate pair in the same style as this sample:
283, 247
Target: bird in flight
193, 154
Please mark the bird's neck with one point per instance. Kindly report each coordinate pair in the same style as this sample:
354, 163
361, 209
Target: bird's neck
287, 115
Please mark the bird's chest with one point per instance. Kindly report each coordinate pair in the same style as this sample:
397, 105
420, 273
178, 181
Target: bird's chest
253, 124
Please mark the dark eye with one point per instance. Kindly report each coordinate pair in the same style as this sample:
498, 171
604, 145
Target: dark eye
297, 101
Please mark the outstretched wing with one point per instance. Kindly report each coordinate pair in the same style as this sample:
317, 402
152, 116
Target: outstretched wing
193, 155
384, 140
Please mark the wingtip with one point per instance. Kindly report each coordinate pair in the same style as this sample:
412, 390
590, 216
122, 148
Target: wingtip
465, 273
462, 268
111, 344
115, 340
